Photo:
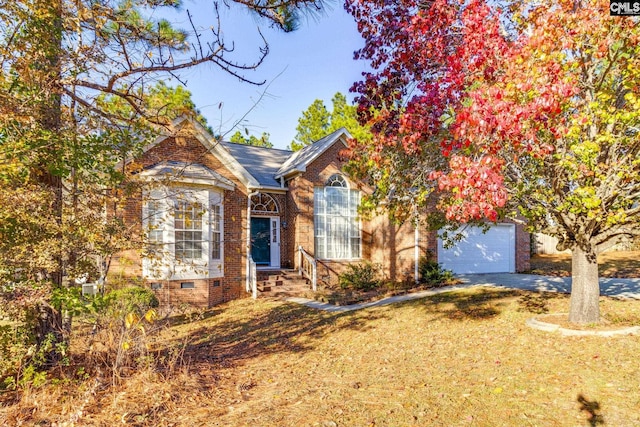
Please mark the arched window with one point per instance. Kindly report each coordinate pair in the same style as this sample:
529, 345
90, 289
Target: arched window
337, 181
337, 228
263, 204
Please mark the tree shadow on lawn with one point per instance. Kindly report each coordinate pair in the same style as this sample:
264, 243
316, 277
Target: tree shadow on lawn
193, 315
592, 408
285, 328
476, 304
486, 303
537, 302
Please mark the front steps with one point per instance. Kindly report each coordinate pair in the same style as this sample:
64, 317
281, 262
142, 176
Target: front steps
282, 283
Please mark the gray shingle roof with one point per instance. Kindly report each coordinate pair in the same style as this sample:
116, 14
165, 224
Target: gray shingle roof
262, 163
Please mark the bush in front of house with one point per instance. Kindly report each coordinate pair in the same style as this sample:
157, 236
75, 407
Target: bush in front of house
360, 277
124, 321
133, 299
432, 273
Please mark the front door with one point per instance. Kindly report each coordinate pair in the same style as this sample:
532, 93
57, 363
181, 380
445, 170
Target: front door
261, 240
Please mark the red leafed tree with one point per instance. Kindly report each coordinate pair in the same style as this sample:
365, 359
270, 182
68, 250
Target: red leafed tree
423, 55
530, 110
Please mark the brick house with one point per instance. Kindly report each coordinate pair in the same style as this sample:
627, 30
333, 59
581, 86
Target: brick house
214, 212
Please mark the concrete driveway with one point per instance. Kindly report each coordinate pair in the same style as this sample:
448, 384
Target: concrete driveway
621, 288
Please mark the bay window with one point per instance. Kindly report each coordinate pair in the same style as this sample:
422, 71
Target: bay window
184, 230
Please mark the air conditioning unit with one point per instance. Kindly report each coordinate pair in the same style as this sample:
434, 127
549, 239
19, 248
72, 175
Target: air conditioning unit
89, 289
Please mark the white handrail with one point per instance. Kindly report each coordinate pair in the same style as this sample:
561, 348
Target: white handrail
253, 279
308, 267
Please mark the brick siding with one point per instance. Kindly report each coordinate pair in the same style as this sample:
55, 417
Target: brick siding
389, 245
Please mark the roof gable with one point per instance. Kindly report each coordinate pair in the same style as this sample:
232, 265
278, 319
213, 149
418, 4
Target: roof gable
185, 126
299, 160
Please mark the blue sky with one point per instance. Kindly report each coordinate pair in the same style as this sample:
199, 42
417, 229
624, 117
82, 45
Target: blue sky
314, 62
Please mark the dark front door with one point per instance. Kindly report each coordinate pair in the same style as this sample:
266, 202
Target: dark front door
260, 241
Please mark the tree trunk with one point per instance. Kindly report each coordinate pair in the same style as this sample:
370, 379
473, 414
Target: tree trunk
50, 329
585, 287
48, 333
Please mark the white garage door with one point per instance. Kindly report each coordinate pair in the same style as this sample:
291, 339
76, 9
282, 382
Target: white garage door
490, 252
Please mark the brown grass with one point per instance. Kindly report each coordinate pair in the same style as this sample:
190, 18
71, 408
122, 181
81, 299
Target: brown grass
458, 358
623, 264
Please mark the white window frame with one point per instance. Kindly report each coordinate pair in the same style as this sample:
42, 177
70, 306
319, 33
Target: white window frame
327, 216
164, 265
192, 217
216, 232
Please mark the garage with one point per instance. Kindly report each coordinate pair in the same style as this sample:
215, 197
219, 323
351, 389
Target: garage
478, 252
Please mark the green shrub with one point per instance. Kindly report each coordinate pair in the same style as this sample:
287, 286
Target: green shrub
361, 277
133, 299
432, 273
14, 350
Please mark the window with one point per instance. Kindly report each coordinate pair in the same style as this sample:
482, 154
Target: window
187, 285
337, 229
188, 230
274, 231
155, 226
263, 204
216, 235
337, 181
185, 229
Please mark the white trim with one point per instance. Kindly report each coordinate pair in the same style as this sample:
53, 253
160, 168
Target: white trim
266, 189
158, 267
249, 260
274, 238
264, 212
216, 265
197, 268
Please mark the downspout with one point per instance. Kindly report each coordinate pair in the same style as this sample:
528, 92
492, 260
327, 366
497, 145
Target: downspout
249, 196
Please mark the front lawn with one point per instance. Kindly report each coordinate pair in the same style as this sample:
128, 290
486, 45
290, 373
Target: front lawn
623, 264
458, 358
